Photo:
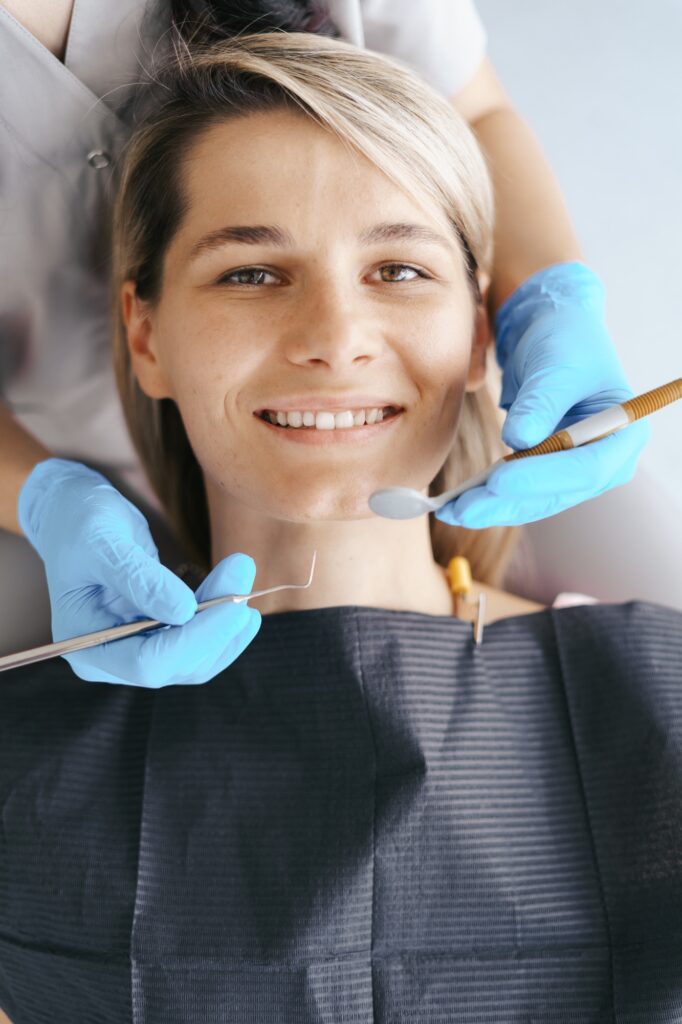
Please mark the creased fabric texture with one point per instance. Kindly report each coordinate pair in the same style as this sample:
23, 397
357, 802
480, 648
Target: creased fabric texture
366, 818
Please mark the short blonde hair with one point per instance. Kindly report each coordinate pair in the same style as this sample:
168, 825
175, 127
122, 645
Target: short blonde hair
376, 106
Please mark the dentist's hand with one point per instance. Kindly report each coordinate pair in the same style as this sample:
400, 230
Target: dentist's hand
559, 366
103, 569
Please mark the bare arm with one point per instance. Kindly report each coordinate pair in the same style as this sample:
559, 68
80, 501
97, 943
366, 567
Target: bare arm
532, 226
47, 20
19, 452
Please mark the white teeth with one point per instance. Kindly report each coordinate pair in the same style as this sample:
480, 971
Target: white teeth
343, 420
326, 420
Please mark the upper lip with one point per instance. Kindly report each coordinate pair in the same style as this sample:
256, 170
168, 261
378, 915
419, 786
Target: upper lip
318, 403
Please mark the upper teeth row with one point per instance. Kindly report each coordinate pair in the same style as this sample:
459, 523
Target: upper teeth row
326, 420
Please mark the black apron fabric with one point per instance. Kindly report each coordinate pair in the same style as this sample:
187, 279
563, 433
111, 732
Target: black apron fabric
366, 818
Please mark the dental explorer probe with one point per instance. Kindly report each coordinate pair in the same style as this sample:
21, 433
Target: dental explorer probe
102, 636
407, 503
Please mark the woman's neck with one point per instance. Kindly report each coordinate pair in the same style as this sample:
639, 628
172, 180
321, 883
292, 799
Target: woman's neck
373, 562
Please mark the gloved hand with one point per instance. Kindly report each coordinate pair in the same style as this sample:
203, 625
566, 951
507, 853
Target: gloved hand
559, 366
103, 569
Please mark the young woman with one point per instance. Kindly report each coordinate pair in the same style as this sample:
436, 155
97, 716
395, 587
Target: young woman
78, 74
365, 817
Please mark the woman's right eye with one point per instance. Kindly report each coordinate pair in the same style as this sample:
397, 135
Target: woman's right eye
245, 272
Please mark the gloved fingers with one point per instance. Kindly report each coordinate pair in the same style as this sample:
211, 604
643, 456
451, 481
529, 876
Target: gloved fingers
516, 502
233, 575
151, 589
225, 633
626, 473
547, 394
141, 534
224, 643
165, 656
478, 509
591, 466
237, 646
179, 655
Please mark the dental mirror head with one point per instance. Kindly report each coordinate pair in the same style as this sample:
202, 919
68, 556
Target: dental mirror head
401, 503
408, 503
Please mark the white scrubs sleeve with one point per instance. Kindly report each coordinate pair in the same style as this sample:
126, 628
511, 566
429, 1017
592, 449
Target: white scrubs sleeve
59, 142
443, 40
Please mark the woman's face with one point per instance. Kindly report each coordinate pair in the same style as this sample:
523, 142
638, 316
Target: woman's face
289, 288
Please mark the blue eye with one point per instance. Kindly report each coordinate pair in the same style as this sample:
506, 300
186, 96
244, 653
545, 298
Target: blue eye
229, 279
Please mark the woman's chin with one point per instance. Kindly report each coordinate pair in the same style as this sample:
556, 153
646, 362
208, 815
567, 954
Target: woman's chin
329, 504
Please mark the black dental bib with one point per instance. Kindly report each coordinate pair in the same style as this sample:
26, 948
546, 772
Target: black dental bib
366, 818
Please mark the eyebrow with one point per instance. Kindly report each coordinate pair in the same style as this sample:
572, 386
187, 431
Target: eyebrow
271, 234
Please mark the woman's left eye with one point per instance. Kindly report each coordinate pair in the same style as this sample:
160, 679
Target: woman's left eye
403, 266
261, 272
244, 272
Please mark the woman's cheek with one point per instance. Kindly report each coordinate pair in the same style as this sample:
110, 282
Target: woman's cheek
202, 362
442, 367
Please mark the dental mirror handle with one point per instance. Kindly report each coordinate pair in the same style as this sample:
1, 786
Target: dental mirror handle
585, 431
438, 500
101, 636
608, 421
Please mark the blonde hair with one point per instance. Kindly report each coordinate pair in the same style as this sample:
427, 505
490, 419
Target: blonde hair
374, 105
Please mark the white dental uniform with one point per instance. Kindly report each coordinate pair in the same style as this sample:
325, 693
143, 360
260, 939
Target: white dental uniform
62, 127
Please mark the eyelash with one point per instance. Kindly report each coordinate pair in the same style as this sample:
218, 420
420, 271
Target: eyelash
224, 280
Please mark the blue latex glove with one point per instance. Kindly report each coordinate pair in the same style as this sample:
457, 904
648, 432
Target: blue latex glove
103, 569
559, 366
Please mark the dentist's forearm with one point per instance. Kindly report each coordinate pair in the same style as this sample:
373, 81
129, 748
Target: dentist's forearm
19, 453
532, 226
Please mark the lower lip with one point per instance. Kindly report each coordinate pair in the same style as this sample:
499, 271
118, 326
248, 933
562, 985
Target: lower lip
343, 435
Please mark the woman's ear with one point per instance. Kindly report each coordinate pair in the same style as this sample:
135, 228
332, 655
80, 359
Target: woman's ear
482, 337
141, 342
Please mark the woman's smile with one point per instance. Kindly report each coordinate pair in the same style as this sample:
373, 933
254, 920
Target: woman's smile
327, 427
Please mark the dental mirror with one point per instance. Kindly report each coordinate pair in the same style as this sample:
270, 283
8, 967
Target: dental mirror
407, 503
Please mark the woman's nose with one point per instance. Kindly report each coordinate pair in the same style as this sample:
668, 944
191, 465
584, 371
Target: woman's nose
330, 328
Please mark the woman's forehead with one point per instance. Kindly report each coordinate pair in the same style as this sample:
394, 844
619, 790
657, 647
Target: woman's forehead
281, 169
